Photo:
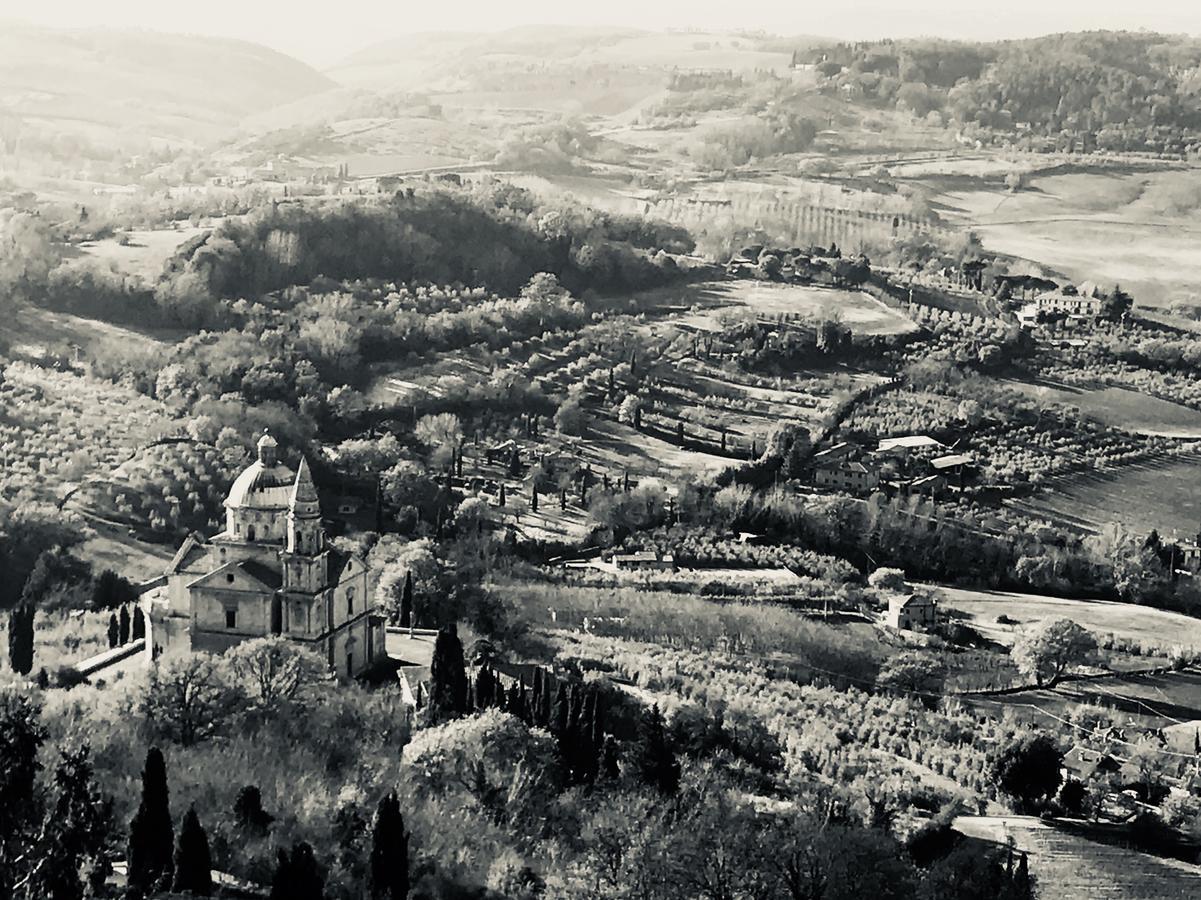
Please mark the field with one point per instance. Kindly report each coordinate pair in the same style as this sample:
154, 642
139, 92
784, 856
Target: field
1134, 227
1161, 494
141, 253
1119, 408
862, 313
1069, 866
1143, 625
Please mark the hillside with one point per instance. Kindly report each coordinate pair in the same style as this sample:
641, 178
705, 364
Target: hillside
105, 86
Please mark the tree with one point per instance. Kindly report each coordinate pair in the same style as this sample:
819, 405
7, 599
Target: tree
388, 878
569, 417
20, 638
274, 671
1050, 649
507, 771
448, 677
655, 762
188, 698
249, 812
114, 632
297, 876
123, 624
138, 626
406, 601
110, 591
21, 737
193, 863
149, 853
913, 673
888, 580
71, 845
1028, 769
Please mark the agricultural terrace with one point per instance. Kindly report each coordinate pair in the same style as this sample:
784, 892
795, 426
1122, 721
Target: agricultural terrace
1069, 866
57, 428
1155, 494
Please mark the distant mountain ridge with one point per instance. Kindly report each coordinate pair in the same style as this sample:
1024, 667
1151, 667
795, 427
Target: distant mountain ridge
169, 86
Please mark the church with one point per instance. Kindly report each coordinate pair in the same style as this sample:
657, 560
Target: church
272, 571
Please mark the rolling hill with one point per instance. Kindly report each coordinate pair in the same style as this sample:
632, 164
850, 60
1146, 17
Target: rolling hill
110, 86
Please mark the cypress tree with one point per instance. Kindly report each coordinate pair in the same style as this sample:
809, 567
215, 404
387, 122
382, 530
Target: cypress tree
485, 688
448, 676
249, 812
608, 759
559, 712
388, 878
563, 499
123, 624
536, 698
193, 863
656, 762
297, 876
1021, 879
534, 498
500, 501
138, 630
113, 631
150, 833
20, 637
406, 601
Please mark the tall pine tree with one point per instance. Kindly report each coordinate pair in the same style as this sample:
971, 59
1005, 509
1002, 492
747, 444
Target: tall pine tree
193, 863
150, 833
388, 878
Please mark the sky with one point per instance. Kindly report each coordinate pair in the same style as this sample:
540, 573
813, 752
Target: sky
323, 33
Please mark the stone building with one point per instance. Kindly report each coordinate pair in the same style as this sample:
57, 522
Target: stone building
272, 571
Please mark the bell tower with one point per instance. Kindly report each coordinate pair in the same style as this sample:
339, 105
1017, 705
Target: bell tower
304, 556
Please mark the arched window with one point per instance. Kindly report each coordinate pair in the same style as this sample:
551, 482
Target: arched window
250, 533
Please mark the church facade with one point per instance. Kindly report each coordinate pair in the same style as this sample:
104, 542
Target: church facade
272, 571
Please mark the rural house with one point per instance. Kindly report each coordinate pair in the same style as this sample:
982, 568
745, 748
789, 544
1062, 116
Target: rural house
844, 475
912, 612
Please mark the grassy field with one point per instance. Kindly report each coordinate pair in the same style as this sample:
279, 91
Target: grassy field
1140, 624
1135, 227
1119, 408
1161, 494
862, 313
1069, 866
141, 253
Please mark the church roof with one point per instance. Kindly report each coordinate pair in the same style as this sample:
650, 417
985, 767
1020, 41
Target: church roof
191, 550
241, 575
262, 486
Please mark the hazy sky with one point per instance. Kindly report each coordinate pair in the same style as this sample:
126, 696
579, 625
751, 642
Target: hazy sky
321, 33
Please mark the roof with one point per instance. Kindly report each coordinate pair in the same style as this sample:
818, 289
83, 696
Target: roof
924, 480
1086, 763
303, 491
903, 601
262, 572
189, 552
261, 575
261, 486
836, 449
909, 442
953, 459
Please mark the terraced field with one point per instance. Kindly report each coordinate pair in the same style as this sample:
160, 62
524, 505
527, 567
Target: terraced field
1069, 866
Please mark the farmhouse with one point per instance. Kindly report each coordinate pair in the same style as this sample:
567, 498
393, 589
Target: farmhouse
1085, 302
271, 571
914, 612
905, 444
844, 475
928, 486
838, 451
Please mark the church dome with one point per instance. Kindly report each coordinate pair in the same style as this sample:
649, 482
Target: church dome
262, 487
265, 484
